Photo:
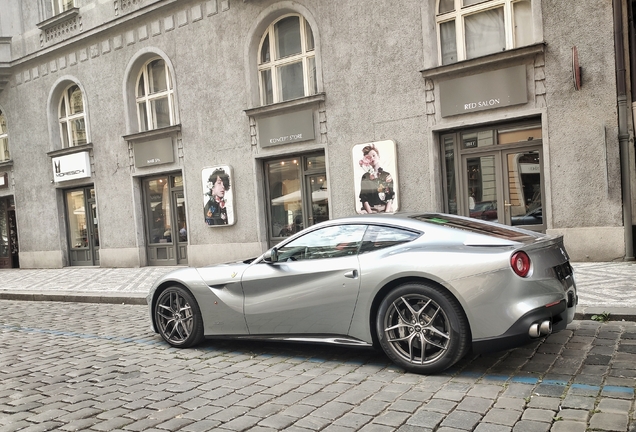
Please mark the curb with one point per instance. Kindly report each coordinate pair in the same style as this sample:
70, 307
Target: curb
613, 313
77, 297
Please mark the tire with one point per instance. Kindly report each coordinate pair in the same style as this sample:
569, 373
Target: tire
422, 328
178, 318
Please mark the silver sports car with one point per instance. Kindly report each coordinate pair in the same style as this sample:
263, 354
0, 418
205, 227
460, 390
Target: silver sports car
426, 288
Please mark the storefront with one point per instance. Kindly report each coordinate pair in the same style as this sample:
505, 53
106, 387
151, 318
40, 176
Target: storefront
495, 173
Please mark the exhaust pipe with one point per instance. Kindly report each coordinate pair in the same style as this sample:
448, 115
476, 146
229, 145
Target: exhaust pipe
543, 328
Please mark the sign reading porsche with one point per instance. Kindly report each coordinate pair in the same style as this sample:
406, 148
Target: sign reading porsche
71, 167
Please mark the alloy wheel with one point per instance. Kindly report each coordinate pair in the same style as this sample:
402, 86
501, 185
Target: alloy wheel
175, 318
417, 328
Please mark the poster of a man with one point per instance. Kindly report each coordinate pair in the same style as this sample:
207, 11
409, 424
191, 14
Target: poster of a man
375, 177
218, 197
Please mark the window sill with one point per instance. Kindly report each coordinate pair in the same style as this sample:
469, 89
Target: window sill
294, 104
448, 71
58, 19
146, 135
70, 150
6, 164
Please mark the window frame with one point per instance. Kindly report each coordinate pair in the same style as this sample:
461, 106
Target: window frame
4, 135
67, 137
310, 80
459, 14
148, 98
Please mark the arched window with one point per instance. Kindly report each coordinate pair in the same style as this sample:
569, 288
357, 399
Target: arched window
472, 28
4, 139
72, 117
287, 61
155, 96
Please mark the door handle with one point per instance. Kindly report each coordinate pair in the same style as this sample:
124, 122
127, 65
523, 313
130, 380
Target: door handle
353, 274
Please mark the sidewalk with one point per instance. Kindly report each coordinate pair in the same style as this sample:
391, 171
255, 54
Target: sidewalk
602, 287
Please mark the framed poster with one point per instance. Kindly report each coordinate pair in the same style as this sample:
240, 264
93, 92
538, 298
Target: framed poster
375, 177
218, 197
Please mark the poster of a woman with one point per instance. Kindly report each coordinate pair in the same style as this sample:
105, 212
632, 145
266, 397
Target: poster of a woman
218, 209
375, 176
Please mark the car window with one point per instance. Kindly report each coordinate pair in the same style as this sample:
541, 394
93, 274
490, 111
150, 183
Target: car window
380, 237
328, 242
475, 226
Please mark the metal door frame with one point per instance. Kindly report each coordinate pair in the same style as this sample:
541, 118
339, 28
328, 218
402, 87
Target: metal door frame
504, 161
495, 153
91, 249
173, 257
10, 261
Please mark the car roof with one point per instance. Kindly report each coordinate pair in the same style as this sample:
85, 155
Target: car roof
420, 221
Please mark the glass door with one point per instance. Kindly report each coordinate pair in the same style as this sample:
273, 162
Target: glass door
524, 189
482, 186
297, 194
5, 238
83, 227
182, 235
165, 220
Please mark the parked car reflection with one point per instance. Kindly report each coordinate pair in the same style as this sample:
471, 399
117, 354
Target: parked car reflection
533, 217
485, 210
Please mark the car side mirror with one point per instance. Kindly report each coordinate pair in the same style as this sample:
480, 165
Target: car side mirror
271, 256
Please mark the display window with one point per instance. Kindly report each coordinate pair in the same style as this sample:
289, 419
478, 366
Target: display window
297, 194
495, 174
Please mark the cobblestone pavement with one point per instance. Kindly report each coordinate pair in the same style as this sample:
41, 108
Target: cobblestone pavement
603, 284
98, 367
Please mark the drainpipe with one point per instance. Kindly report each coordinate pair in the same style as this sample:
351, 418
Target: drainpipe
623, 134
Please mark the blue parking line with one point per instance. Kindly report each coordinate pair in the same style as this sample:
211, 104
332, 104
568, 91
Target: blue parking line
524, 380
617, 389
585, 387
77, 335
555, 382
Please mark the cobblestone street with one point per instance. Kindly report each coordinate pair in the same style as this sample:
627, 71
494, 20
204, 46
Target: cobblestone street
76, 366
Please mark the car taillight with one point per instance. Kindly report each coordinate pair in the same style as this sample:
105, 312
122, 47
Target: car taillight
520, 263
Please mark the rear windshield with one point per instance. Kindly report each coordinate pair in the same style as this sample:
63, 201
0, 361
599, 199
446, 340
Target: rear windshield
475, 226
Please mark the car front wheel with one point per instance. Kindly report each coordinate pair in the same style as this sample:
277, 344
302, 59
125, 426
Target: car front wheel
422, 328
178, 318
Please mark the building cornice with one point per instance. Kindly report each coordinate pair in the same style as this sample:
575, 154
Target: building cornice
472, 65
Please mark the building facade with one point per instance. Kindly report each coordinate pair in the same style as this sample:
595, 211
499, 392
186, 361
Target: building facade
190, 132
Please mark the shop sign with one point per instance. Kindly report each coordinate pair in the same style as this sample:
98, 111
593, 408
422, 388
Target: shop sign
530, 168
286, 128
470, 143
495, 89
155, 152
71, 167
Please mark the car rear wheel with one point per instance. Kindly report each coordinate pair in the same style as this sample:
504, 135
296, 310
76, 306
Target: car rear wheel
178, 318
422, 328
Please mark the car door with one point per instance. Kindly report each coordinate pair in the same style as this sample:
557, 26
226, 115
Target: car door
312, 288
